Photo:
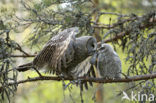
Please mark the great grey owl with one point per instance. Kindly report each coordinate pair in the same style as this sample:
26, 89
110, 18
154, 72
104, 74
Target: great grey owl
63, 52
108, 63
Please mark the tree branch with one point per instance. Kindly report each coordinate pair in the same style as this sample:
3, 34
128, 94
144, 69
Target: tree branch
86, 79
108, 26
122, 34
150, 23
20, 49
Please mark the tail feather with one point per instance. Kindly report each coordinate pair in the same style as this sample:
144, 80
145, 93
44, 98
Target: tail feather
86, 85
24, 67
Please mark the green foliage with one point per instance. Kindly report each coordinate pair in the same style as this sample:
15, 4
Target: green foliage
45, 18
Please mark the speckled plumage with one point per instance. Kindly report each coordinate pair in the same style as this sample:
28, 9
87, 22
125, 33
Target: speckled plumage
63, 52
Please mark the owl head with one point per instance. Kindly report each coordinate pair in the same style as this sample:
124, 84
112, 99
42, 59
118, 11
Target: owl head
86, 45
91, 46
106, 48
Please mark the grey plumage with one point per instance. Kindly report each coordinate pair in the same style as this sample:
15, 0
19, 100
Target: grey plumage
64, 52
108, 62
82, 68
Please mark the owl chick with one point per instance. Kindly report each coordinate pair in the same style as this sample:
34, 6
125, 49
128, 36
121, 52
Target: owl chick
108, 62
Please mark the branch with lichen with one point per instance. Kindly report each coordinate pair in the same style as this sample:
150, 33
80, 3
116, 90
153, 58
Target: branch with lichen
86, 79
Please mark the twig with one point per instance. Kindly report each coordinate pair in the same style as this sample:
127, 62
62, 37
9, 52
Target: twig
112, 13
108, 26
20, 49
124, 33
30, 55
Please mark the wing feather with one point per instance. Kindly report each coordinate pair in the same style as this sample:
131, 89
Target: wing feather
82, 68
54, 51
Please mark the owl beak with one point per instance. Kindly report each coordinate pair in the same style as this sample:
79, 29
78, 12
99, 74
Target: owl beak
92, 52
93, 59
101, 48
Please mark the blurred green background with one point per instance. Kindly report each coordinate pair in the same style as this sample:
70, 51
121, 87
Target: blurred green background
52, 91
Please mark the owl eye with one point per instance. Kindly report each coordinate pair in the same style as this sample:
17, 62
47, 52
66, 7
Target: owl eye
102, 48
93, 45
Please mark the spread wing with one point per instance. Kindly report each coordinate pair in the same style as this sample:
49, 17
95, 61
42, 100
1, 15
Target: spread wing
85, 68
82, 68
52, 53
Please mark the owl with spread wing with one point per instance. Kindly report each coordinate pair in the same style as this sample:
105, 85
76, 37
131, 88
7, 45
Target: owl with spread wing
62, 53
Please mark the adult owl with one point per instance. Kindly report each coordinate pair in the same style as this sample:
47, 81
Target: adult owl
63, 52
108, 62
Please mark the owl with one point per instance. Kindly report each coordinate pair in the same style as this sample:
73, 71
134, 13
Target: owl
62, 53
108, 62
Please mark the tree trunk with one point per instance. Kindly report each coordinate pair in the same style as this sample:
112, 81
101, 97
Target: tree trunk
99, 92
